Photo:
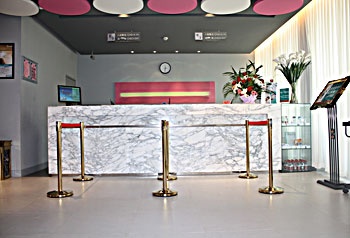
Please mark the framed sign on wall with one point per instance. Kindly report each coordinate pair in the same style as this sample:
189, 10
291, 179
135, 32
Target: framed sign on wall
30, 70
7, 59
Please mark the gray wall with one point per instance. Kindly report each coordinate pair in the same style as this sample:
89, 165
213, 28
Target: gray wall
97, 77
55, 61
10, 93
23, 117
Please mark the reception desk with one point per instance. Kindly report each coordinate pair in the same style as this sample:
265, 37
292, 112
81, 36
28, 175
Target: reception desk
194, 147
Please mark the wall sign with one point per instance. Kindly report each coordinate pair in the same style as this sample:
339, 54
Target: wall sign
7, 59
124, 37
30, 70
210, 36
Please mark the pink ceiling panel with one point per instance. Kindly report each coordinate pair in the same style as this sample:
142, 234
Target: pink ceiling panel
66, 7
172, 6
276, 7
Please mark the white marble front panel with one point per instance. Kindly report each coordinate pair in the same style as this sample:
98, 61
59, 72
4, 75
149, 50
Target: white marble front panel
194, 147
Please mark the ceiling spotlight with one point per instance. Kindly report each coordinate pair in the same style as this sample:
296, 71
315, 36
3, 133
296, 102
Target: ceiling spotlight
165, 38
154, 52
176, 51
209, 15
132, 51
198, 51
92, 57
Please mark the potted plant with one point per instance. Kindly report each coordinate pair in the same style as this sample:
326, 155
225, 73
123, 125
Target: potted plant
292, 68
245, 84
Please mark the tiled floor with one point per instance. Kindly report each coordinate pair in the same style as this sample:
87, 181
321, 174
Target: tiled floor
206, 206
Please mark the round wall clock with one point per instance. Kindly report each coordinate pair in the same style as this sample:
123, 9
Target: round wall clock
165, 68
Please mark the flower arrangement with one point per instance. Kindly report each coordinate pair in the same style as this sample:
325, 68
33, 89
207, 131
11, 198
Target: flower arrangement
246, 83
292, 68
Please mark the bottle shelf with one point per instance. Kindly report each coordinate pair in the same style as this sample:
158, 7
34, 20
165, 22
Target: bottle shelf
290, 147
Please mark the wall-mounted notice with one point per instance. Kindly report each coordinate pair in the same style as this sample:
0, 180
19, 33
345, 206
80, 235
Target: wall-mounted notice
127, 36
30, 70
7, 54
210, 36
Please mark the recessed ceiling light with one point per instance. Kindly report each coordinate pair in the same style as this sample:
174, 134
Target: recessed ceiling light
154, 52
198, 51
176, 51
132, 51
123, 15
209, 15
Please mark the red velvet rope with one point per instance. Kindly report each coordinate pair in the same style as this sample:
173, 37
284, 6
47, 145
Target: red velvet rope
70, 125
258, 123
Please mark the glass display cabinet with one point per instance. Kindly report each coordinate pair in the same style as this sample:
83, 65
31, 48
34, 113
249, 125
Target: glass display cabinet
296, 138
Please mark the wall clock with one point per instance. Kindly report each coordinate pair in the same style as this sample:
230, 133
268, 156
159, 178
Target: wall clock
165, 68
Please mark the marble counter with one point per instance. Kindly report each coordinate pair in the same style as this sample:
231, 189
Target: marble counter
138, 150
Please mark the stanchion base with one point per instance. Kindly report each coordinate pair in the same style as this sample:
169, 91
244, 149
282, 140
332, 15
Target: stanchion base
331, 184
57, 194
83, 178
248, 176
170, 177
271, 190
164, 193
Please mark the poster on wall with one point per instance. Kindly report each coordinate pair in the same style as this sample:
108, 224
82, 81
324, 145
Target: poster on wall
7, 51
30, 70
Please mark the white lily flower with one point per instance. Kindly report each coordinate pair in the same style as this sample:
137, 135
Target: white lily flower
293, 66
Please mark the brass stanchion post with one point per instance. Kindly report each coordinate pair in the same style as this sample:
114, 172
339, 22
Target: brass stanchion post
165, 192
247, 175
82, 177
270, 189
59, 193
172, 176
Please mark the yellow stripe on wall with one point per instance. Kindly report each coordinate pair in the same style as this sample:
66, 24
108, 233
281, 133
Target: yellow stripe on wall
164, 94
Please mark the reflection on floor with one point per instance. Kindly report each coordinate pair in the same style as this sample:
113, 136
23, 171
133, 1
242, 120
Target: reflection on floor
206, 206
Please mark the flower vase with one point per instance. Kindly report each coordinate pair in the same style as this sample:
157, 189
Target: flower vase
236, 99
248, 99
293, 96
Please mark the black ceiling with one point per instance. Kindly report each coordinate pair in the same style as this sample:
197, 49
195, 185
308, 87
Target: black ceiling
88, 33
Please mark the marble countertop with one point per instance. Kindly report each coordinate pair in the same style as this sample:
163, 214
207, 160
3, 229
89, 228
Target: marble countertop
137, 150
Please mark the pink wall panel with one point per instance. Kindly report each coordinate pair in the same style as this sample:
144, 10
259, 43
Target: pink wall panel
164, 92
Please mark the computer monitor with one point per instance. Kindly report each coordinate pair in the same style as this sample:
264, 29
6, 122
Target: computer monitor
71, 95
